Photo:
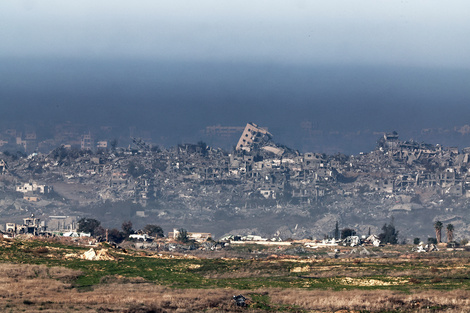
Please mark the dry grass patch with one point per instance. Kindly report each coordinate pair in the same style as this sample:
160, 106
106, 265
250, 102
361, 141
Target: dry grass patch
34, 288
368, 282
374, 300
26, 271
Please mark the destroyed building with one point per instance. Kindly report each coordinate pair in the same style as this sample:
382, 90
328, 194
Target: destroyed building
3, 167
257, 180
31, 225
33, 187
199, 237
62, 223
252, 137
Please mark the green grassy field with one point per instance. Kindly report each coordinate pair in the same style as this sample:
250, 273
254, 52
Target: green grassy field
393, 271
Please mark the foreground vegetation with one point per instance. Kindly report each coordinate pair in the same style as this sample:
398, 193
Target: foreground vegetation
50, 276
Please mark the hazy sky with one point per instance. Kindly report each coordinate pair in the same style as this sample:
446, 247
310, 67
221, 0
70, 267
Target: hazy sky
426, 33
348, 66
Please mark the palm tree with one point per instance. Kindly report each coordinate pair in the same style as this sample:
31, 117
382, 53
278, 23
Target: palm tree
437, 228
450, 232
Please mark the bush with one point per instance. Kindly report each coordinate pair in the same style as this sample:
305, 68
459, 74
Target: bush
88, 225
115, 235
389, 235
183, 235
346, 232
153, 230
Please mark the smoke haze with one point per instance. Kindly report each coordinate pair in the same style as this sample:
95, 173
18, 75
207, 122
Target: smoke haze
305, 107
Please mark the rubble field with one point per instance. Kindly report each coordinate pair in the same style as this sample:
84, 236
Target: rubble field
259, 188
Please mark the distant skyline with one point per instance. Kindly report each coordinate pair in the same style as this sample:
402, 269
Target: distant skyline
174, 67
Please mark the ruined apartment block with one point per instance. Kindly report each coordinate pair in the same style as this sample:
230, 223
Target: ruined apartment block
196, 180
252, 134
33, 188
31, 225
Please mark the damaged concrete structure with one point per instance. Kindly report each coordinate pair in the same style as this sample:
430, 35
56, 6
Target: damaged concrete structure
199, 237
251, 137
31, 225
258, 180
33, 187
3, 167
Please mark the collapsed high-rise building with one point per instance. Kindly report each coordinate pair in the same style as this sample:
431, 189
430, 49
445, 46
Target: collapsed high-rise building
252, 136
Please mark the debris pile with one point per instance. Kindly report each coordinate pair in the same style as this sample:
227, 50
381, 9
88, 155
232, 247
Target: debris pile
92, 255
258, 178
240, 300
101, 255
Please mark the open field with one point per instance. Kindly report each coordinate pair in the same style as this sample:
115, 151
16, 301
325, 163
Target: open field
51, 276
